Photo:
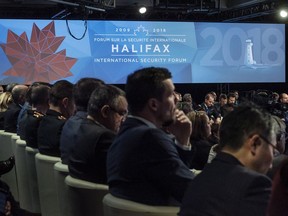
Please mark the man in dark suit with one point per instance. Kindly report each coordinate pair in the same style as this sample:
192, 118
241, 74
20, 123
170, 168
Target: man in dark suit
235, 182
11, 115
146, 163
39, 99
61, 107
81, 91
107, 109
208, 107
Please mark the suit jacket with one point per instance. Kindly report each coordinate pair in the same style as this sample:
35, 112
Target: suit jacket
225, 188
88, 156
2, 114
10, 117
202, 148
69, 135
144, 165
210, 111
33, 120
21, 120
49, 132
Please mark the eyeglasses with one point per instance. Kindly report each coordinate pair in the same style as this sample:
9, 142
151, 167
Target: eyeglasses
267, 141
282, 135
121, 113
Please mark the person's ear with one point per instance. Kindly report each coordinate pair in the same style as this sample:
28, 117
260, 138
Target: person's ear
65, 102
254, 142
105, 111
153, 104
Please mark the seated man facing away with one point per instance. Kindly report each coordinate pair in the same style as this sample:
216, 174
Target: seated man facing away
234, 183
11, 114
107, 109
144, 163
61, 107
81, 91
39, 100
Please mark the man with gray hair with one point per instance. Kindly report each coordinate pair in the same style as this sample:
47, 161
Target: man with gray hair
107, 109
11, 115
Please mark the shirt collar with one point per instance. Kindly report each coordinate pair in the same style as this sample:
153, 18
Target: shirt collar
148, 123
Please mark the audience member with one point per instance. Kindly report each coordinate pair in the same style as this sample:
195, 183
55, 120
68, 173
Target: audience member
208, 107
5, 100
11, 115
22, 117
199, 138
10, 86
213, 93
144, 163
275, 97
1, 89
81, 91
278, 205
279, 155
229, 106
234, 183
237, 100
107, 109
222, 101
39, 100
281, 109
61, 107
214, 137
187, 98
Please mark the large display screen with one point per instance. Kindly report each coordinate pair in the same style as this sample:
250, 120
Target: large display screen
195, 52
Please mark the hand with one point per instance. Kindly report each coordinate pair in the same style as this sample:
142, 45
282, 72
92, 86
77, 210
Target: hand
8, 209
181, 128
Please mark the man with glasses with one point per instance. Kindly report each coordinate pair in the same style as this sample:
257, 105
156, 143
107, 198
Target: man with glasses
82, 91
235, 182
107, 109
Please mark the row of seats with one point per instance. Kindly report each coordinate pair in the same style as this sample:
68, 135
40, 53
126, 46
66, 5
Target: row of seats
43, 184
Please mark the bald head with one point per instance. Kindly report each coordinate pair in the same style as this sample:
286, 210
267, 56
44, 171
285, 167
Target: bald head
19, 94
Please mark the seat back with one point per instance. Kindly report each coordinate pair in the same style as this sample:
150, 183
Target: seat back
32, 176
6, 151
22, 175
14, 138
85, 198
60, 173
47, 185
114, 206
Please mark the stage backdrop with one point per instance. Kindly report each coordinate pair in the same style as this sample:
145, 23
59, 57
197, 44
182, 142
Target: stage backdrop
195, 52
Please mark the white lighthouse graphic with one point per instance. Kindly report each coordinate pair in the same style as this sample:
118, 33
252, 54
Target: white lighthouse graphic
249, 60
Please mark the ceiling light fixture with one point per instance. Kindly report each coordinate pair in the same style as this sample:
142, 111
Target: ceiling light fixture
283, 13
142, 10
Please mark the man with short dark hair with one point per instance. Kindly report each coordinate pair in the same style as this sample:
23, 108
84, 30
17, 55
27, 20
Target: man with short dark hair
208, 107
107, 109
81, 91
61, 107
230, 105
235, 182
146, 162
39, 100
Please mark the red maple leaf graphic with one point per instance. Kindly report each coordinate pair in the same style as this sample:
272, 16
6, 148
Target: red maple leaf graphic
36, 60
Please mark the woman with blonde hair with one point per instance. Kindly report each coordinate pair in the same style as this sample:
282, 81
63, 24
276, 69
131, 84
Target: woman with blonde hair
5, 100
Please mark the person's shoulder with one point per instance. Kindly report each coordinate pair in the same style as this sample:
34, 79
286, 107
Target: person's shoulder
35, 114
259, 180
56, 116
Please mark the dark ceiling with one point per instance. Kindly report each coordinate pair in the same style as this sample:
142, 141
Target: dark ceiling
172, 10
